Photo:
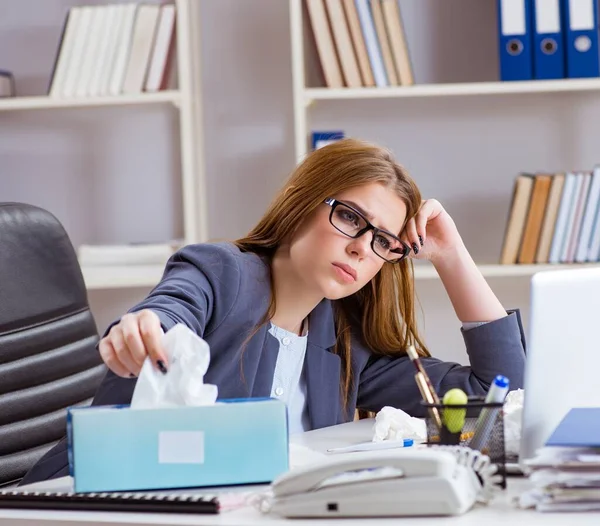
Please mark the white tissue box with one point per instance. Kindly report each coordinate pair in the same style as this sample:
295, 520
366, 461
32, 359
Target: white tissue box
116, 448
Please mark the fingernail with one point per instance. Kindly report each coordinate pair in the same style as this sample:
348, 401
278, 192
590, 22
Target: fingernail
161, 366
131, 375
421, 240
415, 248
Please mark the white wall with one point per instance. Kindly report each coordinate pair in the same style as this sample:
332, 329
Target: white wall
110, 175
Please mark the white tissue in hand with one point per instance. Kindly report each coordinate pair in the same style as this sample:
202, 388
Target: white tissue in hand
188, 357
395, 424
513, 409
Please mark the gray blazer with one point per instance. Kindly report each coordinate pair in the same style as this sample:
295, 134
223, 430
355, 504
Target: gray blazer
221, 293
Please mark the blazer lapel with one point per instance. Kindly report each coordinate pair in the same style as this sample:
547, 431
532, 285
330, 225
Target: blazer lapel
322, 368
263, 381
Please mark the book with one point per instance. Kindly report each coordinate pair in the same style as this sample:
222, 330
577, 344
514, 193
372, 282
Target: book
163, 49
399, 46
535, 217
517, 216
550, 217
384, 42
323, 138
142, 44
343, 43
328, 57
358, 41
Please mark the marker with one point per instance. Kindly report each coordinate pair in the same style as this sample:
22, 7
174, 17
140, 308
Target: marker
487, 416
371, 446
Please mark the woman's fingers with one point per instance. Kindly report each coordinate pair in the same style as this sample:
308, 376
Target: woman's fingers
151, 333
109, 357
411, 237
133, 340
122, 351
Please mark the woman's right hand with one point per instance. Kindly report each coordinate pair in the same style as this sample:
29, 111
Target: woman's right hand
129, 342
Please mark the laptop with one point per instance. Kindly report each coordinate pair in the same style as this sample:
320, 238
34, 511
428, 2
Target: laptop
563, 352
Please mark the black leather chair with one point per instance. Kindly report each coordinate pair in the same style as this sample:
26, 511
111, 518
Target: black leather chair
48, 359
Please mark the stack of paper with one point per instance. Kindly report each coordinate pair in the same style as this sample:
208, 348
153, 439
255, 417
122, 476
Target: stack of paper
565, 474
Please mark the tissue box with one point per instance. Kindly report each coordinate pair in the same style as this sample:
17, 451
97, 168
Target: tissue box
116, 448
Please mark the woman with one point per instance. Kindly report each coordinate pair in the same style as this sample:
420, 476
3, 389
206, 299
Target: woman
315, 305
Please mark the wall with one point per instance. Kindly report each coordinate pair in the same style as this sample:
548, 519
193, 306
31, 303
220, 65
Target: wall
89, 166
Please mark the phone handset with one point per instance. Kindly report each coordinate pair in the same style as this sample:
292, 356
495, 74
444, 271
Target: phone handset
391, 464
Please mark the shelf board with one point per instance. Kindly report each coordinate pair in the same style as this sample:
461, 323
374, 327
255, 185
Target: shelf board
462, 88
121, 276
45, 102
500, 271
146, 276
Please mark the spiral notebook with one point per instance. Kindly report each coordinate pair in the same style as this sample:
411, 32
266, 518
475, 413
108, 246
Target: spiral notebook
134, 501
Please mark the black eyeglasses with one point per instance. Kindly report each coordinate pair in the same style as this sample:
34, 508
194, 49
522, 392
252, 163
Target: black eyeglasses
352, 223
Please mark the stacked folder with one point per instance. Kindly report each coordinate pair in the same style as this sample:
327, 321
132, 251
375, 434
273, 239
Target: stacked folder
554, 218
548, 39
565, 474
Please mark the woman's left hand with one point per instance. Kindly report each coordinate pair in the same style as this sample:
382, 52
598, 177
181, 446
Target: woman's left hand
432, 232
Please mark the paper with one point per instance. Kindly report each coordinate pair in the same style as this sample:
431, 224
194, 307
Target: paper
395, 424
513, 409
188, 357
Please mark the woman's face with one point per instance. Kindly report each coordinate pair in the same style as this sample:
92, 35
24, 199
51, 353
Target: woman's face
334, 264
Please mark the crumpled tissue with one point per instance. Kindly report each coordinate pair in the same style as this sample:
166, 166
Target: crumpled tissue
513, 409
394, 424
188, 357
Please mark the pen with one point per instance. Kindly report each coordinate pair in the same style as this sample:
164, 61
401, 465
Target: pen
426, 394
487, 416
414, 358
370, 446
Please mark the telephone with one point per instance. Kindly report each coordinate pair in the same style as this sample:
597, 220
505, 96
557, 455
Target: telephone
390, 483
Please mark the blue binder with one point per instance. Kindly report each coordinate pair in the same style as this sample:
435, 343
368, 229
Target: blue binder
580, 427
581, 42
548, 41
515, 39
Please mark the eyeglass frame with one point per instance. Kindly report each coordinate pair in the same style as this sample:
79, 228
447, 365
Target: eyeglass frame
333, 203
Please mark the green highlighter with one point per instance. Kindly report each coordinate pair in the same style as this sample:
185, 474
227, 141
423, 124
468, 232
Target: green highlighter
453, 420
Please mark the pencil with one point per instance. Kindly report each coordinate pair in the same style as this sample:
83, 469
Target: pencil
414, 358
426, 394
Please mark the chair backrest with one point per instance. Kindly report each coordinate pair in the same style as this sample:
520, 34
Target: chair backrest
48, 359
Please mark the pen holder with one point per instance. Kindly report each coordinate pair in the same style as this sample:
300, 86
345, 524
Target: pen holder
476, 424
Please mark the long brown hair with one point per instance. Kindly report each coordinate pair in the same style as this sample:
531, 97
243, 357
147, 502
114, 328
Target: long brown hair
382, 313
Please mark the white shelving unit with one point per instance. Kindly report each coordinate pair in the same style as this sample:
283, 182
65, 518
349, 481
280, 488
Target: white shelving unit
186, 99
48, 103
122, 276
425, 271
307, 99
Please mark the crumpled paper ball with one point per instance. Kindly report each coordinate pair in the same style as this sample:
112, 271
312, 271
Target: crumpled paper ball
394, 424
513, 409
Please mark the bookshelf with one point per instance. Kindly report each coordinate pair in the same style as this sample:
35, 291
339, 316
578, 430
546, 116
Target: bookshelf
49, 103
183, 101
315, 103
425, 271
121, 276
311, 95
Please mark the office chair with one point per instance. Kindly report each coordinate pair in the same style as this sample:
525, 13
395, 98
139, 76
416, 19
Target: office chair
48, 359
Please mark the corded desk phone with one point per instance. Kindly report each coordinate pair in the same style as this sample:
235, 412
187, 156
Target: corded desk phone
391, 483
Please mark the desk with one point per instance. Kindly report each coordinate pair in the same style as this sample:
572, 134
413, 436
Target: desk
500, 513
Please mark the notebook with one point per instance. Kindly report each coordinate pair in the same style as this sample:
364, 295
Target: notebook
579, 428
136, 502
